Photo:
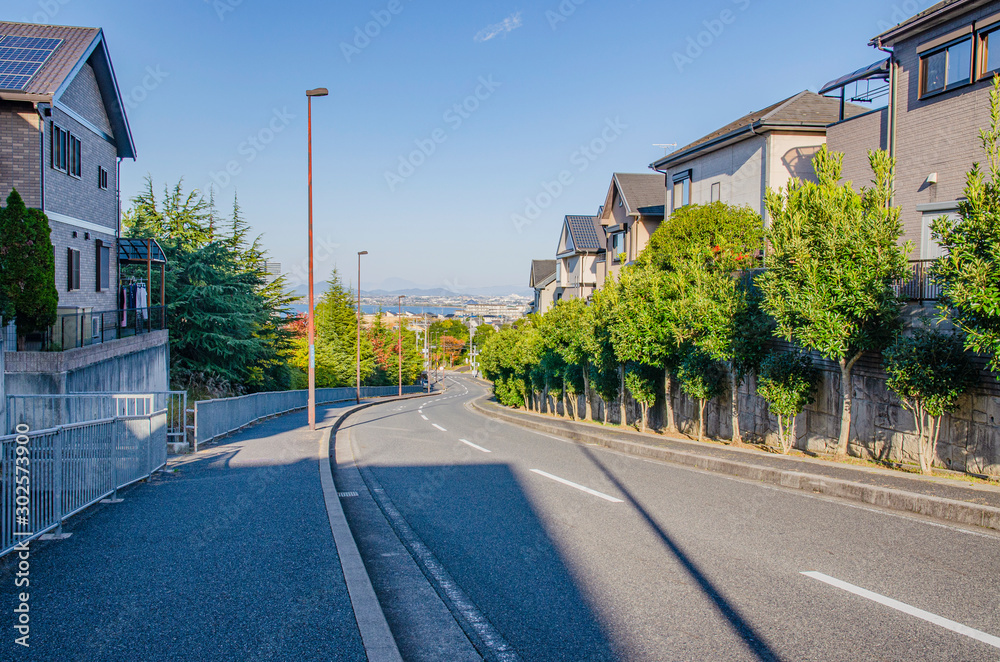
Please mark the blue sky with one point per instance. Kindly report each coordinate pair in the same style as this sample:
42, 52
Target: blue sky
442, 126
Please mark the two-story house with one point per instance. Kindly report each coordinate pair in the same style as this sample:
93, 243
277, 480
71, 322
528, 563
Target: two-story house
737, 163
543, 282
633, 209
578, 256
937, 76
63, 133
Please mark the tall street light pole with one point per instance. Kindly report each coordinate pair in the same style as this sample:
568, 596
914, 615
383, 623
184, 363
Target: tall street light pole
358, 394
400, 320
318, 92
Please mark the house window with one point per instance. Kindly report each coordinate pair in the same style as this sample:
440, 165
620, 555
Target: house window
717, 192
102, 178
72, 269
60, 149
947, 67
682, 189
75, 156
617, 247
103, 266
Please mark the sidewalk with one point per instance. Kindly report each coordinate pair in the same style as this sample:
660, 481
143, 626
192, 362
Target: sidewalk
226, 556
943, 498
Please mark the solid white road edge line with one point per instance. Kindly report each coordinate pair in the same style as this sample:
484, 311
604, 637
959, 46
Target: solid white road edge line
907, 609
579, 487
439, 427
478, 448
380, 645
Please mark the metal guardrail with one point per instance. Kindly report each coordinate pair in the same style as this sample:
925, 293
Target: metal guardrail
217, 418
47, 476
41, 412
85, 328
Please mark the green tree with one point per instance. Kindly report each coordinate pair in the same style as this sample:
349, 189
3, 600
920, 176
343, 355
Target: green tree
703, 378
834, 257
707, 230
27, 268
969, 272
788, 382
929, 371
641, 381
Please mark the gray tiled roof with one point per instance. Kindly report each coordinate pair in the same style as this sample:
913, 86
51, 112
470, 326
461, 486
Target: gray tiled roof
586, 233
543, 272
805, 109
640, 191
76, 42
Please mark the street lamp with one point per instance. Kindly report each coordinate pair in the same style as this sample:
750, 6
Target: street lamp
358, 394
400, 321
318, 92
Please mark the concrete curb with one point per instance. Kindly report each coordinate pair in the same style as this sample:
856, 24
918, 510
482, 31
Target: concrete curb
379, 643
948, 510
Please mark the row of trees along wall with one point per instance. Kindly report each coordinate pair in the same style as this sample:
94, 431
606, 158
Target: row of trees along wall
815, 351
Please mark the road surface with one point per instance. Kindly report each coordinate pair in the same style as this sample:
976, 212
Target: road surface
548, 550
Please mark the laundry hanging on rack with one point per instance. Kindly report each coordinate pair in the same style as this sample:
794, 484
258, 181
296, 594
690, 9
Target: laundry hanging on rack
141, 300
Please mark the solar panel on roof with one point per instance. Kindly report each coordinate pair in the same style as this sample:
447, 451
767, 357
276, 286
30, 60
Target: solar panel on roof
584, 232
22, 57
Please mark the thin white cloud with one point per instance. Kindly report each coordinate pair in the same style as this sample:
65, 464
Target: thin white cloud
509, 24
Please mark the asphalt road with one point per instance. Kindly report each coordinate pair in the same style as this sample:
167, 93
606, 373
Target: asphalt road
564, 552
229, 558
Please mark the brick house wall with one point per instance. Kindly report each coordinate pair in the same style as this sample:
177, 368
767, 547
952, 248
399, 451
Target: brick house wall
19, 152
853, 138
936, 134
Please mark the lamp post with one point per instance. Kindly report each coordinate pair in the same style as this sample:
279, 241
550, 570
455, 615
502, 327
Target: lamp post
400, 320
318, 92
358, 394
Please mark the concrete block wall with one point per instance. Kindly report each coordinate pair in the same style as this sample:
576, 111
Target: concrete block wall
138, 364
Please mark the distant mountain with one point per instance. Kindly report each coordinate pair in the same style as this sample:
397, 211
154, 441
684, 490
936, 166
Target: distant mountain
469, 292
436, 292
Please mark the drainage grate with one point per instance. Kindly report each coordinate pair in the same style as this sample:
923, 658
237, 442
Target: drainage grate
344, 495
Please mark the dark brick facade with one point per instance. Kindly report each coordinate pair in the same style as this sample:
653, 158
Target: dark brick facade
20, 160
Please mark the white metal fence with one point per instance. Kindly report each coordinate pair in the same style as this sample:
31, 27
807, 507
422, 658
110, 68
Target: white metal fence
48, 475
41, 412
217, 418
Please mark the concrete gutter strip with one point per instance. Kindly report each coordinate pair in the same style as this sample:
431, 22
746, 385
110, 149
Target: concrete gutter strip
948, 510
380, 645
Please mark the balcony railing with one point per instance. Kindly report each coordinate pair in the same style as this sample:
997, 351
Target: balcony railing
918, 286
84, 328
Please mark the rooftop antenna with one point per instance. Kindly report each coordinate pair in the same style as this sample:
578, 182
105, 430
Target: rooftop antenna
666, 147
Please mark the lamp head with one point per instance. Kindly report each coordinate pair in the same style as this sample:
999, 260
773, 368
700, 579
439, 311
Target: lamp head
362, 252
318, 92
